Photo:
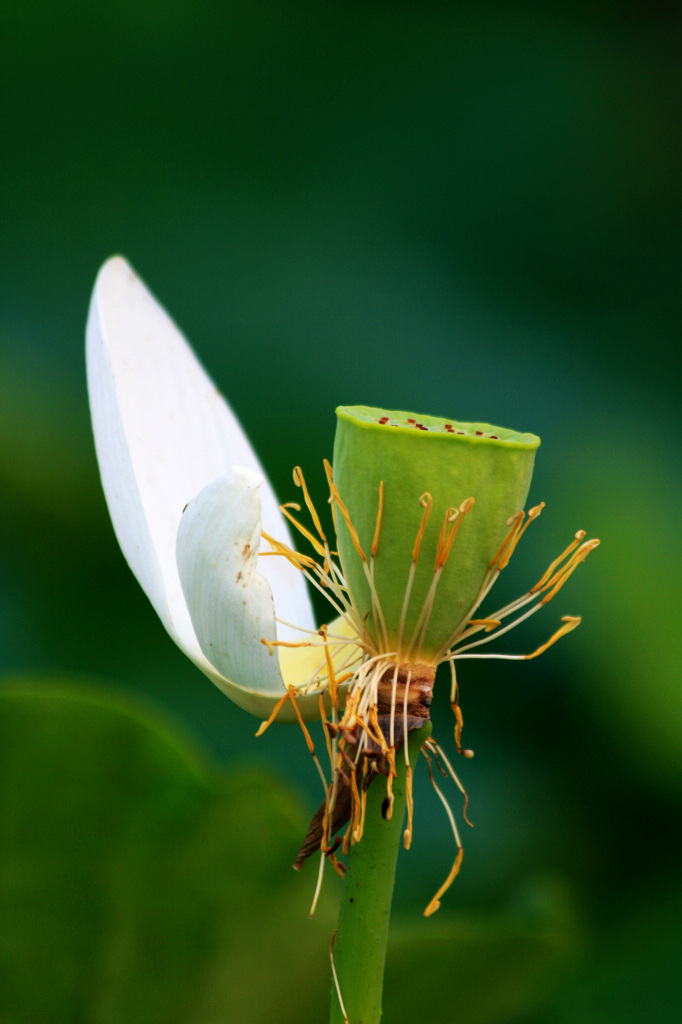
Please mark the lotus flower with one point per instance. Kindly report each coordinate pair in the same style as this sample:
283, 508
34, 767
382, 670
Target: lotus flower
427, 513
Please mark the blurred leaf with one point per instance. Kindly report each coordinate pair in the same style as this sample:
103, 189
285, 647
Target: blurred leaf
630, 645
138, 883
635, 975
46, 450
484, 970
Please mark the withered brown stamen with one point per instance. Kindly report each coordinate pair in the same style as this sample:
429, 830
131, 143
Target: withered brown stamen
413, 713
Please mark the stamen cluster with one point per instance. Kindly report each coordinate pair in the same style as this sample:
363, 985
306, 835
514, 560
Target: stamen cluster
372, 695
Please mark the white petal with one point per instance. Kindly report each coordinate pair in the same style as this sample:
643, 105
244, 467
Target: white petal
229, 601
162, 432
232, 610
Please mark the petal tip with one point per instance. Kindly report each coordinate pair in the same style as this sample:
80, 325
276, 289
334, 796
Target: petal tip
116, 265
114, 277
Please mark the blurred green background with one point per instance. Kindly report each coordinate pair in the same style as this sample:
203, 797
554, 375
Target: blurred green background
470, 210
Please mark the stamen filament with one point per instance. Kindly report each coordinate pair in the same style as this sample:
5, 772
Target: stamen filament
377, 531
299, 480
435, 902
394, 693
532, 514
407, 834
325, 729
456, 517
389, 784
303, 530
426, 502
318, 886
515, 523
570, 623
500, 632
454, 704
453, 775
275, 711
271, 644
579, 556
423, 620
357, 835
406, 601
308, 738
330, 671
552, 580
298, 560
336, 498
579, 536
355, 800
444, 547
336, 980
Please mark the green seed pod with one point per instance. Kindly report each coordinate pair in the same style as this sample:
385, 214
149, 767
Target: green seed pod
405, 484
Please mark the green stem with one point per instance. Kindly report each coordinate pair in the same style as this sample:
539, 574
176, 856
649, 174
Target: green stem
360, 946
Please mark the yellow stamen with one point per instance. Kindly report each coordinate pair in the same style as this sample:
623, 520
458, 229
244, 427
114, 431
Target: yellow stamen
569, 623
407, 834
325, 729
451, 516
557, 581
340, 680
445, 541
355, 800
579, 536
417, 639
353, 737
390, 757
459, 725
345, 847
394, 692
515, 523
337, 865
298, 560
276, 710
406, 697
376, 733
440, 755
357, 834
356, 719
318, 887
350, 709
329, 474
533, 513
336, 499
377, 613
377, 531
303, 530
336, 980
426, 502
389, 796
435, 902
324, 842
271, 644
299, 480
454, 871
330, 669
308, 738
